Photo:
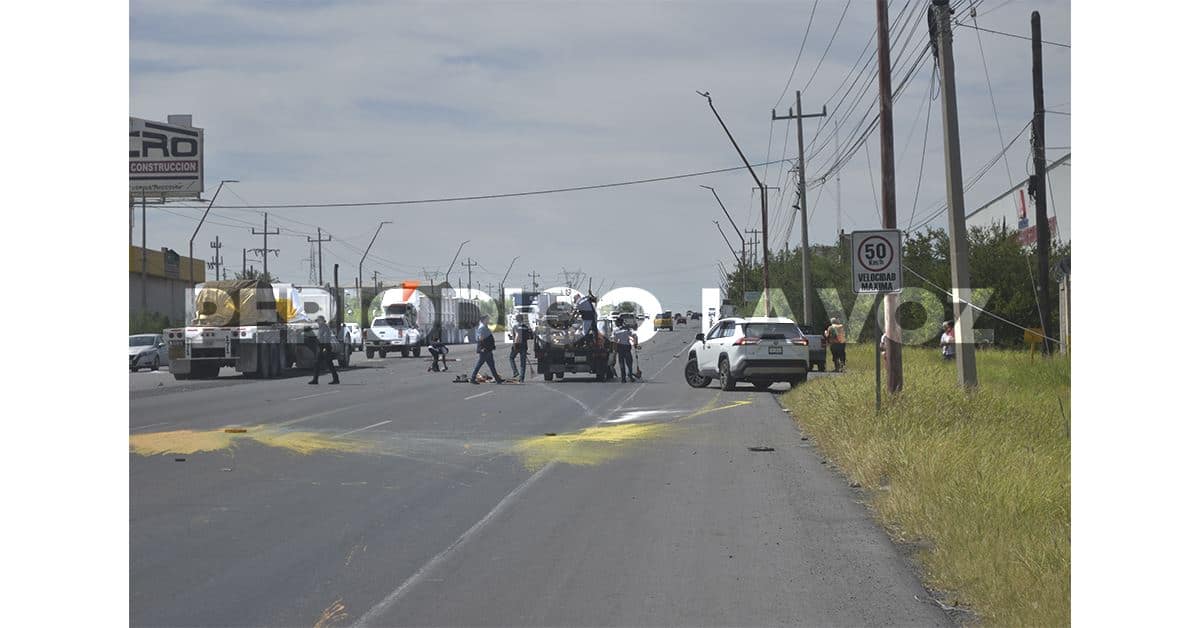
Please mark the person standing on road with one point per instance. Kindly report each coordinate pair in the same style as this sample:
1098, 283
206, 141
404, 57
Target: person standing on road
947, 342
626, 339
324, 351
835, 337
485, 345
520, 346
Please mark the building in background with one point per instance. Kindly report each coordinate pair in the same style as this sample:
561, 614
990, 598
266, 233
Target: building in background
166, 282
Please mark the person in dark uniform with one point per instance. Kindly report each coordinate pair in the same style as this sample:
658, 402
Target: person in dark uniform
323, 344
520, 346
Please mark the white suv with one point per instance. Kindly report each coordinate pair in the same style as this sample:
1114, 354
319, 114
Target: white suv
761, 350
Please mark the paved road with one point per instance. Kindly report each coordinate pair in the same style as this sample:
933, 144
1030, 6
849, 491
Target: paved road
400, 498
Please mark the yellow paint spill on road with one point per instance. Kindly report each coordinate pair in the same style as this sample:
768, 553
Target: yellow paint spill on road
191, 441
589, 447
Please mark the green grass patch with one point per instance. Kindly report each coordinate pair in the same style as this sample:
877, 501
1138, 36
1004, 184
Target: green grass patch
981, 480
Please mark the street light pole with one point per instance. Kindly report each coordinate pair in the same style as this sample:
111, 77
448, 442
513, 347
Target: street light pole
762, 195
364, 258
191, 242
460, 247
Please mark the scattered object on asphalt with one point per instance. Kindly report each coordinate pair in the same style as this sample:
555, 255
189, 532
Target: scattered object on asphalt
235, 430
855, 485
803, 438
226, 469
181, 460
761, 448
551, 434
461, 379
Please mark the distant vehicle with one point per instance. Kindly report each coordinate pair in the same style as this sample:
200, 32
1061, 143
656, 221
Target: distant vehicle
695, 316
354, 336
816, 347
680, 319
760, 350
664, 320
146, 350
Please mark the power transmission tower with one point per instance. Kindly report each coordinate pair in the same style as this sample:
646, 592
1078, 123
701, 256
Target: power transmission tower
960, 271
895, 372
430, 277
312, 264
469, 264
801, 195
264, 233
1038, 184
217, 259
320, 259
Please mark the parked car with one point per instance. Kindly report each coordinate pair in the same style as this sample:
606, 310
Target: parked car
354, 336
147, 350
695, 316
664, 320
761, 350
816, 347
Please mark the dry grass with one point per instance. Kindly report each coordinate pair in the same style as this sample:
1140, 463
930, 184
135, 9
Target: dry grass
982, 480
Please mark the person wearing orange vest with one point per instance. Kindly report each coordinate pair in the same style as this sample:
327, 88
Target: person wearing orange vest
835, 337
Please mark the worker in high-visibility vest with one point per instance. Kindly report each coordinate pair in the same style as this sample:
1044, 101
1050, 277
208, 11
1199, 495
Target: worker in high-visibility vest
835, 337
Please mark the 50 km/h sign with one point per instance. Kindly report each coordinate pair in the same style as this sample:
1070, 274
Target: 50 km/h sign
875, 261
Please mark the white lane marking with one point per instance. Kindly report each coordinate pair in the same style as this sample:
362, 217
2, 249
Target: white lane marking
332, 392
479, 395
321, 414
637, 415
143, 427
363, 428
379, 609
577, 402
382, 607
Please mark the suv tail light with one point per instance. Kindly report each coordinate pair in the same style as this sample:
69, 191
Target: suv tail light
747, 340
799, 340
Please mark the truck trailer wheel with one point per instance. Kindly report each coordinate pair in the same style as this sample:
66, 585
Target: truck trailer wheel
344, 361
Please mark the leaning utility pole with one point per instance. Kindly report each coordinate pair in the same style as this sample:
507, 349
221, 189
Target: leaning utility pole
264, 233
960, 270
320, 260
1038, 186
895, 374
805, 271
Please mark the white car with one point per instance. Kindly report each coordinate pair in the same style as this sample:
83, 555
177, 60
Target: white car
147, 350
760, 350
354, 336
393, 333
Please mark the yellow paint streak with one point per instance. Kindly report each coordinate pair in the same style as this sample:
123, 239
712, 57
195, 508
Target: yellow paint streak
191, 441
589, 447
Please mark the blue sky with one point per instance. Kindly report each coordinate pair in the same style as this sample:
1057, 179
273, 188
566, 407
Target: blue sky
369, 101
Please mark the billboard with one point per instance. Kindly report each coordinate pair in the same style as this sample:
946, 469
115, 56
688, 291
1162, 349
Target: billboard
166, 159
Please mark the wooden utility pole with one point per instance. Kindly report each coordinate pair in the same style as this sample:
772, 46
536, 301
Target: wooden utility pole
534, 275
895, 371
469, 264
960, 272
320, 260
264, 233
801, 195
1038, 184
753, 245
216, 246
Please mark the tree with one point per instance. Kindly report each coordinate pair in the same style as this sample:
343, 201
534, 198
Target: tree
256, 274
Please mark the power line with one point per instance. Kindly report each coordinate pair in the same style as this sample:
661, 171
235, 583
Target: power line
452, 199
798, 53
836, 28
986, 30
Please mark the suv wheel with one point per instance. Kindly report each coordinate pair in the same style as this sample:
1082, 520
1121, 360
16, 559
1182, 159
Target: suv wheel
800, 379
727, 380
691, 373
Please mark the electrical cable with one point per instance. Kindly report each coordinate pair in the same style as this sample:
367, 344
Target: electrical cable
976, 307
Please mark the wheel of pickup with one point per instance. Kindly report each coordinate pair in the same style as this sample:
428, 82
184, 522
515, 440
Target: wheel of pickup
800, 379
382, 353
344, 362
404, 352
370, 353
691, 373
549, 377
728, 381
416, 351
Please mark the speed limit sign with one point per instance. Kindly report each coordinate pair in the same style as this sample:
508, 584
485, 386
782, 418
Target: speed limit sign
875, 261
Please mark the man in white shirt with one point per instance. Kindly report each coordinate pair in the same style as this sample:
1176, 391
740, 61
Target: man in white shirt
626, 339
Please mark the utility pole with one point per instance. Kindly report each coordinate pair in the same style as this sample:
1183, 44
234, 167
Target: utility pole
469, 264
320, 260
895, 375
243, 262
264, 233
960, 270
361, 304
1038, 186
534, 275
375, 279
144, 256
217, 259
805, 271
753, 245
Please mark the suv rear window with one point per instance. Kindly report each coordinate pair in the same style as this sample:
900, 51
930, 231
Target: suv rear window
398, 323
772, 330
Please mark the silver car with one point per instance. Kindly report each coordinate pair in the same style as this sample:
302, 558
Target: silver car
760, 350
147, 350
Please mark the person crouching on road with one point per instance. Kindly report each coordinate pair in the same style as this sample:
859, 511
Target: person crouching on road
438, 349
835, 337
520, 346
485, 345
626, 339
324, 351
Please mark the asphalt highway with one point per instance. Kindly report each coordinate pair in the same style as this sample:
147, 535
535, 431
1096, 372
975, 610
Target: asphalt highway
401, 498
